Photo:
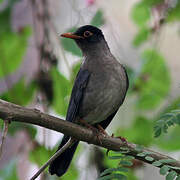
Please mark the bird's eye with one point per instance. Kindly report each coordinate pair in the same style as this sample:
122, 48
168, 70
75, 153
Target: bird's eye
87, 33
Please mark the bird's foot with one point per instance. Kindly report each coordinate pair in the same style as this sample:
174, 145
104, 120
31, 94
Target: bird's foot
84, 123
100, 128
98, 133
122, 139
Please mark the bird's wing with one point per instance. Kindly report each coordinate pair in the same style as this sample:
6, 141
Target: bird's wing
77, 94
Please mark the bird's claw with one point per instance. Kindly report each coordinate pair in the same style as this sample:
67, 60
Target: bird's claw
96, 131
101, 130
122, 139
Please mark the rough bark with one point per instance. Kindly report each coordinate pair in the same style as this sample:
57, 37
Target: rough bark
12, 112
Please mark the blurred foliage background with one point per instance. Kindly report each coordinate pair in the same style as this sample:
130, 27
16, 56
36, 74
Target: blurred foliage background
37, 70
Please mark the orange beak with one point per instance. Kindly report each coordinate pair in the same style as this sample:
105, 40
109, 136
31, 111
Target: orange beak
71, 36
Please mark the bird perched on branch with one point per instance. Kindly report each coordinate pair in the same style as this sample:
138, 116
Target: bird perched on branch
99, 89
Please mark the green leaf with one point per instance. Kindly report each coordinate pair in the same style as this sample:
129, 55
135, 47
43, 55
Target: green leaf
149, 158
174, 105
122, 169
113, 176
157, 163
141, 36
123, 150
176, 111
142, 154
174, 167
108, 177
167, 161
69, 44
153, 87
169, 116
12, 48
62, 88
120, 176
157, 131
108, 171
129, 157
98, 19
164, 169
160, 127
115, 157
111, 170
148, 152
109, 162
125, 163
171, 175
167, 120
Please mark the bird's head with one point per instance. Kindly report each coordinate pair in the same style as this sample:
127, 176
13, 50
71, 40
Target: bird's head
88, 38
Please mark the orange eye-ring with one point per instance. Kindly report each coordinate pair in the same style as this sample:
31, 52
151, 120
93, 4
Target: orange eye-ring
87, 33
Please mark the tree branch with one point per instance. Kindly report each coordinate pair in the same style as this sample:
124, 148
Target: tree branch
33, 116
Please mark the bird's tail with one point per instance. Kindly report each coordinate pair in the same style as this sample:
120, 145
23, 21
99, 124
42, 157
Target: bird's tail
60, 165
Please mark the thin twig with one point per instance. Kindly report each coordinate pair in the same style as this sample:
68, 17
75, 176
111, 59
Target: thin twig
59, 152
4, 134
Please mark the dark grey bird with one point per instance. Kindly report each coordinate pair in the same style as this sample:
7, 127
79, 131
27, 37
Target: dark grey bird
99, 88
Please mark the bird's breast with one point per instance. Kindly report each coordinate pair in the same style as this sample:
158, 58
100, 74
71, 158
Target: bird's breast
103, 95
